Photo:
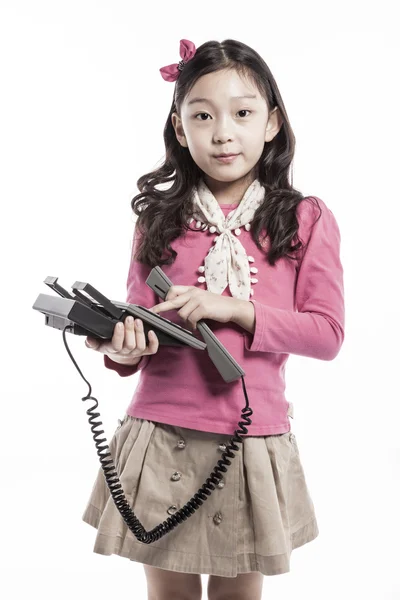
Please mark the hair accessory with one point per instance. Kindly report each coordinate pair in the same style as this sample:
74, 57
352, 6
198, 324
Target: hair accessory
171, 72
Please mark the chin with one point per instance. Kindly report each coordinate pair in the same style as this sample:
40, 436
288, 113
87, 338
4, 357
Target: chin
227, 174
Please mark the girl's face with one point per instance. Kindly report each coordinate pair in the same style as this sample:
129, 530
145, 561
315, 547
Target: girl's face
220, 123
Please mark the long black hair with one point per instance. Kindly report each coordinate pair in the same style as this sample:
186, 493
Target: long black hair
167, 211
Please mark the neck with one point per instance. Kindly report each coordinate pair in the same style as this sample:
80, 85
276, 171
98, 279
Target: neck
229, 192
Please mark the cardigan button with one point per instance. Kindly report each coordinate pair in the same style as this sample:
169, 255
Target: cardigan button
201, 269
253, 270
253, 280
213, 229
252, 292
201, 279
237, 231
247, 226
250, 259
176, 476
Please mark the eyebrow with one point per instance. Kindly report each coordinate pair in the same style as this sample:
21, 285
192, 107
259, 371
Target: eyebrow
210, 101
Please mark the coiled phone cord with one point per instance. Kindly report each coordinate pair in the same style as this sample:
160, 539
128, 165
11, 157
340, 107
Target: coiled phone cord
114, 484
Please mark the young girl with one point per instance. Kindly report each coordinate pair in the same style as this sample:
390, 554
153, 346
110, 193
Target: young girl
261, 263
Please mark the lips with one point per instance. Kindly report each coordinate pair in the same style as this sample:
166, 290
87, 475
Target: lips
225, 155
227, 159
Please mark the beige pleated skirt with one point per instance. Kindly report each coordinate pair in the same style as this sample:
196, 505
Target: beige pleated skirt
259, 512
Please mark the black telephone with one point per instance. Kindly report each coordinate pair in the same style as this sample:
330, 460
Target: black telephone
96, 316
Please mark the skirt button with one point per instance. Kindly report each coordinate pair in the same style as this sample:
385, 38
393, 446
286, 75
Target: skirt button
181, 444
217, 518
220, 484
222, 447
176, 476
172, 509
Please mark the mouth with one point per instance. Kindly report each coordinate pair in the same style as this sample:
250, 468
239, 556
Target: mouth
226, 158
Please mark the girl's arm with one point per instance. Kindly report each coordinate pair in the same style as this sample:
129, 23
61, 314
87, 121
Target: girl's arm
137, 293
317, 329
124, 361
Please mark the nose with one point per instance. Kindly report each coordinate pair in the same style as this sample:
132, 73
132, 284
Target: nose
222, 133
222, 139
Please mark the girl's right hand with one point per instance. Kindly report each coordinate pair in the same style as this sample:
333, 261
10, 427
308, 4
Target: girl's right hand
128, 341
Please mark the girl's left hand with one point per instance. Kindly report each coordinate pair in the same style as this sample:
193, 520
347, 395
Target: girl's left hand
197, 304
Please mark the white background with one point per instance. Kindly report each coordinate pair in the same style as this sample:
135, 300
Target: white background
83, 107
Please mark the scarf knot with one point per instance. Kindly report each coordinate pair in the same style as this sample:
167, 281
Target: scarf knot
227, 262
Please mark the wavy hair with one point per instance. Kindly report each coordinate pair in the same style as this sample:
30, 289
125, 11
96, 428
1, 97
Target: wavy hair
168, 211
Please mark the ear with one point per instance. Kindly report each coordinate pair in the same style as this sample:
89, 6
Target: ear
274, 124
178, 127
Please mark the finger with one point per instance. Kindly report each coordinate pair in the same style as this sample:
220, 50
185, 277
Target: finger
177, 290
129, 341
92, 343
153, 342
162, 306
117, 339
141, 337
176, 302
134, 336
191, 312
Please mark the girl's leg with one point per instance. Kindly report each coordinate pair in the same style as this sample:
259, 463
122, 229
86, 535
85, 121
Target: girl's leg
246, 586
168, 585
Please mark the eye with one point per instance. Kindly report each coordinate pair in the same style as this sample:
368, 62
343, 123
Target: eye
245, 110
204, 113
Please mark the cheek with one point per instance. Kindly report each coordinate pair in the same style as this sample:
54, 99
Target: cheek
198, 149
256, 146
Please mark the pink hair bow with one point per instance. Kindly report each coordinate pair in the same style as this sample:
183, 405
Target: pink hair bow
171, 72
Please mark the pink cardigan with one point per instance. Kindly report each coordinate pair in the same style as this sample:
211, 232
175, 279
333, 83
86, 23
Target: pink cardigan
299, 309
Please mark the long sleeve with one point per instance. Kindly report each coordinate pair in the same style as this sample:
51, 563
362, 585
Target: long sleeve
316, 330
138, 292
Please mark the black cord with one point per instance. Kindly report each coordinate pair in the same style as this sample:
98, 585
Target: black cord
114, 484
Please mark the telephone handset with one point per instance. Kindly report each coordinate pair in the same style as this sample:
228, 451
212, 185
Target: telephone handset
96, 316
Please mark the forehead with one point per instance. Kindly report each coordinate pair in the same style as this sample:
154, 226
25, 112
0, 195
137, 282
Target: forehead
222, 87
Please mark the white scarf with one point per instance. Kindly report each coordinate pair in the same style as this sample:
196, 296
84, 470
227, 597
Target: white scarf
227, 262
